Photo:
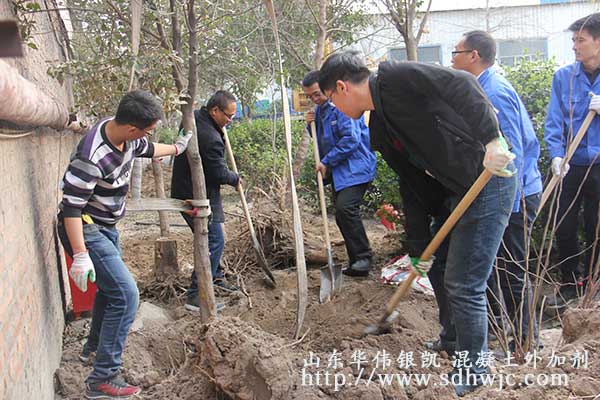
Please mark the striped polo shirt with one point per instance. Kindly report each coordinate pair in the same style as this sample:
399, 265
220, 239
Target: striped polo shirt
97, 179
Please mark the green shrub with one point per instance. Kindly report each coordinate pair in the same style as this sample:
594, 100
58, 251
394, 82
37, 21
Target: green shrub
257, 155
384, 188
532, 79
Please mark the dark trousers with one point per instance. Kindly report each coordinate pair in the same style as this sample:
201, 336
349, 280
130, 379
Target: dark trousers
567, 233
347, 216
216, 244
436, 277
511, 272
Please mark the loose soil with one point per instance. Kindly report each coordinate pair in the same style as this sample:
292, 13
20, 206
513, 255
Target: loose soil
249, 351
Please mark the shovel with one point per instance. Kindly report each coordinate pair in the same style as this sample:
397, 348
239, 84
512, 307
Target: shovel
385, 323
331, 275
260, 256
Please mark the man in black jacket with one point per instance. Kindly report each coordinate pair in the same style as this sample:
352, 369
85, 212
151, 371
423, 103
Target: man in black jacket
210, 120
446, 128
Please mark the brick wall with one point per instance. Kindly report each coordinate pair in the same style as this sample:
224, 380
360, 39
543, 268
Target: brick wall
31, 305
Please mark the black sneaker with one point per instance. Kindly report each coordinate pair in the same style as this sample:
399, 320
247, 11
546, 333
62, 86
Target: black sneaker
438, 346
113, 388
358, 268
193, 305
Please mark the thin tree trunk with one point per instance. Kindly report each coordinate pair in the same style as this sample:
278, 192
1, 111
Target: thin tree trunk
206, 292
322, 34
159, 185
302, 150
136, 178
411, 49
136, 16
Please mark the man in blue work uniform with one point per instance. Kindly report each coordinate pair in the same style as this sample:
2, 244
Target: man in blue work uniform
348, 163
476, 53
570, 102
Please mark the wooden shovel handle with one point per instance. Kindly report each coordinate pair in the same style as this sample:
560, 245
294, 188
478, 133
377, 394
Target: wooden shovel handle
240, 189
570, 151
313, 131
439, 237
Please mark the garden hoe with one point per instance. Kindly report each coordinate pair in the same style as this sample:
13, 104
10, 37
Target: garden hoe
331, 275
260, 256
385, 323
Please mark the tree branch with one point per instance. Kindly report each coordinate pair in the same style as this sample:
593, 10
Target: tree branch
423, 22
128, 21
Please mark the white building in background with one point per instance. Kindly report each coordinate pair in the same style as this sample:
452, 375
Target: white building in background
520, 31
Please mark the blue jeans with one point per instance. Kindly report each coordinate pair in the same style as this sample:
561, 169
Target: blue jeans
216, 244
473, 246
116, 301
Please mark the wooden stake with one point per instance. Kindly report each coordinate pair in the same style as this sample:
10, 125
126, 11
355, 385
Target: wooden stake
298, 235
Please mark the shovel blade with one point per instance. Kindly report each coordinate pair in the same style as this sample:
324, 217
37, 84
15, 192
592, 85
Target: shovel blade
325, 291
337, 279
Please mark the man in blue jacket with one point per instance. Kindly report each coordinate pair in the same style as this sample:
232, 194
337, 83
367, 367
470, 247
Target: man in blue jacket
569, 105
476, 53
349, 164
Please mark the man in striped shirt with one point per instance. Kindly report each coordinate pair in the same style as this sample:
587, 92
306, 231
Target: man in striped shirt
94, 189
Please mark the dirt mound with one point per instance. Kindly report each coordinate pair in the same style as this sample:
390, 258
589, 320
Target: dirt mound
580, 324
246, 362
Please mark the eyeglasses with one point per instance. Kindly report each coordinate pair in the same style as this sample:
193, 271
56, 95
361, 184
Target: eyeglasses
330, 95
149, 133
460, 51
229, 116
315, 95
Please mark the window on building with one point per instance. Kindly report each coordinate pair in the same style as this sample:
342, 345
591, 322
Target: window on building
428, 54
511, 51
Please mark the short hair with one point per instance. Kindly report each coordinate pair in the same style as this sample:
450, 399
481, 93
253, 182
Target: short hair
344, 66
221, 99
139, 108
591, 23
484, 43
311, 78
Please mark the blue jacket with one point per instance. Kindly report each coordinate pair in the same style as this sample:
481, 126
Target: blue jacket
516, 126
344, 147
558, 120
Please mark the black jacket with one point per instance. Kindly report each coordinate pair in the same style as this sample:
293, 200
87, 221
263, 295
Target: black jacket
216, 173
440, 117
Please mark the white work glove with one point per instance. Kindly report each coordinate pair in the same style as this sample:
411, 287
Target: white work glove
497, 157
421, 267
182, 143
555, 167
82, 269
595, 103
